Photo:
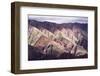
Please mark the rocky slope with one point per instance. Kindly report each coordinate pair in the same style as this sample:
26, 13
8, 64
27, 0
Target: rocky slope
66, 40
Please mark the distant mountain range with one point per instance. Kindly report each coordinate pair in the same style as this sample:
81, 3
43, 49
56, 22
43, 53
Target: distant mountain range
54, 26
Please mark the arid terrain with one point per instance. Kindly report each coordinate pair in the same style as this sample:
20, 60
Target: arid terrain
48, 40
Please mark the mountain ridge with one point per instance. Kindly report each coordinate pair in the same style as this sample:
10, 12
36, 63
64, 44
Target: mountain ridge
55, 26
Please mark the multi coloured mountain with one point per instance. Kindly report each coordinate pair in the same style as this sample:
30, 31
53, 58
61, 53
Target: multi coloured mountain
48, 40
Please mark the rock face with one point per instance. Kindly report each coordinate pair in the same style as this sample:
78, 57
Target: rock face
49, 40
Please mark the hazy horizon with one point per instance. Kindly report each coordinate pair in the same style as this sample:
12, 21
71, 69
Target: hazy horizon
59, 19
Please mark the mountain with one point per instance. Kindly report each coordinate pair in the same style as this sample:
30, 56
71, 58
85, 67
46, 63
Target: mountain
72, 30
54, 26
48, 38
